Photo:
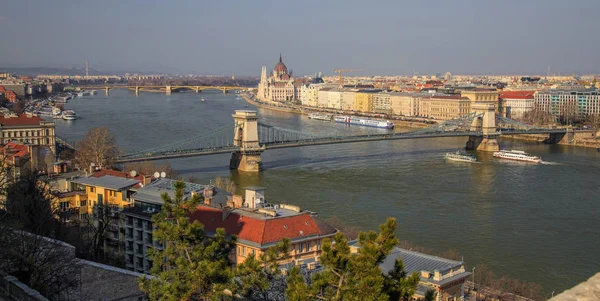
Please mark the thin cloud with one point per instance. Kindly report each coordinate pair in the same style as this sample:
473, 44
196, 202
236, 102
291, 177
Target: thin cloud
3, 18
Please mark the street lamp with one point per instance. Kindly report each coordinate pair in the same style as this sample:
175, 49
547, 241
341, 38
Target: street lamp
474, 284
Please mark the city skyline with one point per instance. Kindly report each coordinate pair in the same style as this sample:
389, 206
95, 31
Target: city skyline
219, 38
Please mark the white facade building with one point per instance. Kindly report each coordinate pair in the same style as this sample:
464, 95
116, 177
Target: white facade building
280, 86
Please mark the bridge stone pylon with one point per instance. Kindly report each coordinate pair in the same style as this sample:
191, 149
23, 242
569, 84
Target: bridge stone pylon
485, 122
248, 158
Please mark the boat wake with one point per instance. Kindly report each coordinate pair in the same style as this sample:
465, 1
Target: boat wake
550, 163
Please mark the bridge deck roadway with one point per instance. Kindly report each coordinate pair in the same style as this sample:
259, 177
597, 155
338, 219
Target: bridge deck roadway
321, 141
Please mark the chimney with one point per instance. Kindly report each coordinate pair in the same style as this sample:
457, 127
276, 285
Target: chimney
209, 191
146, 180
238, 202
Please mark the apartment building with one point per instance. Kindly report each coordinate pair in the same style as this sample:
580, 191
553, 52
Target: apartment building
363, 102
382, 103
407, 104
568, 103
348, 100
513, 104
445, 107
258, 224
29, 129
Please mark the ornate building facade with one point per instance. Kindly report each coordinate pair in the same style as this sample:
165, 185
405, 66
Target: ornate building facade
280, 86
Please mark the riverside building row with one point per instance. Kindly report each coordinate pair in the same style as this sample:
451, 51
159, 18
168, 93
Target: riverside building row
431, 105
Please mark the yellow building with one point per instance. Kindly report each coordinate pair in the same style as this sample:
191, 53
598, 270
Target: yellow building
107, 191
445, 107
72, 205
363, 102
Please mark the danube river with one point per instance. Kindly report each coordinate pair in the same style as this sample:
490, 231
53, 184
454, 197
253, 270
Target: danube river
536, 223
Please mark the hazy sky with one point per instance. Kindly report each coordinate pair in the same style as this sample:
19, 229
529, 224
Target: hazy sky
378, 37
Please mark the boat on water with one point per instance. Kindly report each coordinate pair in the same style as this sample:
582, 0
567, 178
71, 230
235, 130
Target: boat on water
461, 157
69, 115
203, 99
45, 111
386, 124
320, 116
517, 155
57, 113
93, 92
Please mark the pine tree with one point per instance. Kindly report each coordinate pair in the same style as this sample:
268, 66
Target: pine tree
190, 264
260, 278
357, 276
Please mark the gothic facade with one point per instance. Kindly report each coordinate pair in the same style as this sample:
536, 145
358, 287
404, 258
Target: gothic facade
280, 86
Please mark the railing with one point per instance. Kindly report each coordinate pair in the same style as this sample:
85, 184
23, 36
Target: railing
13, 289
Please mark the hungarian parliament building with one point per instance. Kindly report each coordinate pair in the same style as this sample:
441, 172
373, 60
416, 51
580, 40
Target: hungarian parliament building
280, 86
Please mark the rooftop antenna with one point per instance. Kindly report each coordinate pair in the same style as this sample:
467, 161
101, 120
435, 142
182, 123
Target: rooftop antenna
87, 70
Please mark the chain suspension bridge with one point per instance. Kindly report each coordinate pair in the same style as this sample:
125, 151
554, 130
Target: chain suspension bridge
246, 138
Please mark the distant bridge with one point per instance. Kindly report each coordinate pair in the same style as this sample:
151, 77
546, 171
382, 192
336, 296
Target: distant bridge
168, 89
247, 138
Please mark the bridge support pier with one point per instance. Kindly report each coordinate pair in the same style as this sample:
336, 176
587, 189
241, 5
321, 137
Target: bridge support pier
197, 89
106, 89
483, 143
224, 91
137, 90
562, 138
248, 158
488, 142
168, 90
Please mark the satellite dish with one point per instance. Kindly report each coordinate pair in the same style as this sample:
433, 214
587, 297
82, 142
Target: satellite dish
157, 175
133, 173
163, 174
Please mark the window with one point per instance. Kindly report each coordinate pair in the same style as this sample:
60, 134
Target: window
64, 205
140, 223
149, 237
92, 189
149, 226
243, 250
301, 246
130, 220
140, 249
82, 203
84, 216
130, 246
307, 246
129, 233
139, 235
130, 259
318, 244
140, 261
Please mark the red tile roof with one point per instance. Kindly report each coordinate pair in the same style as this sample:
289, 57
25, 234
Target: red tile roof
262, 231
20, 120
516, 94
14, 149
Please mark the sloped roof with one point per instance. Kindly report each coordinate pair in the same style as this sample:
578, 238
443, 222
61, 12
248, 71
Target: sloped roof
516, 94
262, 231
110, 182
14, 149
20, 120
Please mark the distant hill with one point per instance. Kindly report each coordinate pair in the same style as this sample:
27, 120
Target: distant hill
33, 71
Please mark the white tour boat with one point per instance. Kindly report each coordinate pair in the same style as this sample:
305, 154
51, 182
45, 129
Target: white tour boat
69, 115
461, 157
517, 155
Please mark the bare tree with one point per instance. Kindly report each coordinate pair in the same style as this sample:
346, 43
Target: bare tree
99, 147
46, 265
226, 184
94, 230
